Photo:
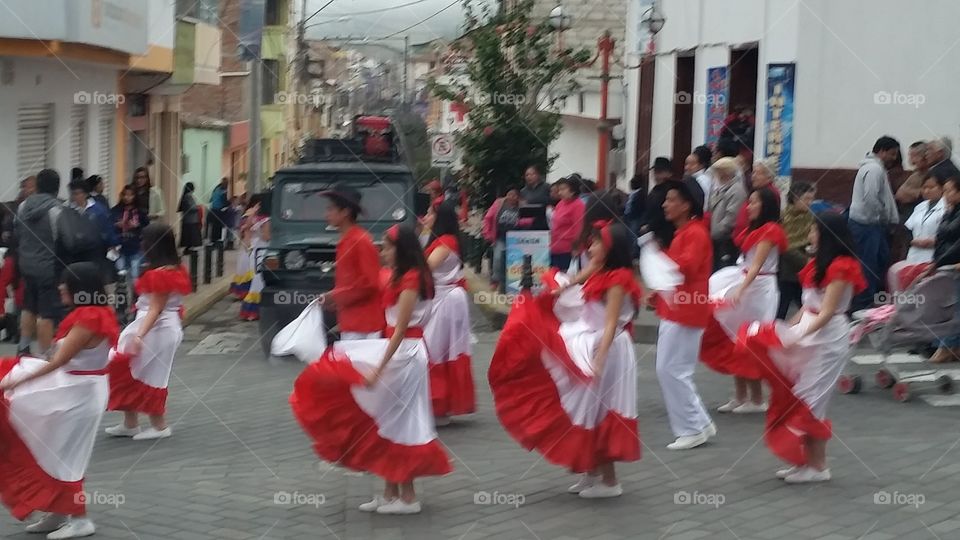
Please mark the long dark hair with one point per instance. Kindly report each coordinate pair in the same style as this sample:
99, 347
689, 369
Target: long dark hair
266, 198
446, 221
798, 190
160, 246
409, 256
600, 206
769, 208
187, 191
835, 241
85, 284
620, 253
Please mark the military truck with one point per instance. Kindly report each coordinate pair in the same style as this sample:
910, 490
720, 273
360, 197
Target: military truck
298, 265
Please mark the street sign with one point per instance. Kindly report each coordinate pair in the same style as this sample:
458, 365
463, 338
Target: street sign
443, 151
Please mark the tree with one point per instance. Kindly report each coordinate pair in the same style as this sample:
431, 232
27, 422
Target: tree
514, 81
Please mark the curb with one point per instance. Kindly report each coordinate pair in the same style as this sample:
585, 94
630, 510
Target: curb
201, 301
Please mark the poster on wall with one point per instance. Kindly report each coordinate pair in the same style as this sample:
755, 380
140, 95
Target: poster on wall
779, 135
718, 88
520, 243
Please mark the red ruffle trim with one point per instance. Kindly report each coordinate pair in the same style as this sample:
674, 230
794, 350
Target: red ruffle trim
451, 387
598, 284
129, 394
448, 241
720, 354
101, 320
528, 403
843, 268
789, 419
165, 280
770, 232
343, 433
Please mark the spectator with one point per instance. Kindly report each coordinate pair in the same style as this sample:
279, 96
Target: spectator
696, 165
191, 235
81, 201
872, 211
76, 173
502, 217
39, 265
219, 204
653, 220
536, 191
149, 198
909, 193
587, 187
940, 158
566, 226
797, 220
761, 178
28, 186
922, 225
947, 254
726, 200
95, 184
635, 205
130, 220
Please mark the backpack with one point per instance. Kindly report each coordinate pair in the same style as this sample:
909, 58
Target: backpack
76, 235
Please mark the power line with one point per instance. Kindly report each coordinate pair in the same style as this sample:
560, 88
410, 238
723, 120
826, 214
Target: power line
397, 33
317, 12
375, 11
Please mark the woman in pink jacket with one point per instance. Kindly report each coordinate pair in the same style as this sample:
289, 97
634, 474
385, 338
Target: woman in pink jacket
566, 225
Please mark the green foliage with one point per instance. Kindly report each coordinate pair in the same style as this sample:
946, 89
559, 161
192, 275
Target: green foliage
514, 81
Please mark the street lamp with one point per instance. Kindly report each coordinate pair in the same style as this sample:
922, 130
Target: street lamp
653, 20
558, 20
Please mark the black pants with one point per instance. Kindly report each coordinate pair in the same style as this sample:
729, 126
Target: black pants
725, 254
790, 293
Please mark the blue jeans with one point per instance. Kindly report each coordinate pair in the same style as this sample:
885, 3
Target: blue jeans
131, 263
873, 249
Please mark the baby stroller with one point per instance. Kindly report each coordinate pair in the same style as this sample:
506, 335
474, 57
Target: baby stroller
922, 314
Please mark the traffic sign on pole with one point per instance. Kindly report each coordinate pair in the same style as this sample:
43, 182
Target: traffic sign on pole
443, 151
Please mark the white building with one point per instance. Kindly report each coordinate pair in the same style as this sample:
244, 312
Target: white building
863, 68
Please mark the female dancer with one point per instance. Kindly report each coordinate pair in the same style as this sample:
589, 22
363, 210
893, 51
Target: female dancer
447, 332
802, 359
683, 318
51, 410
259, 238
747, 292
240, 285
366, 402
569, 389
143, 360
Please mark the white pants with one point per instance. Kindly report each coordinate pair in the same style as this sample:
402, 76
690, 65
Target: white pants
360, 335
678, 348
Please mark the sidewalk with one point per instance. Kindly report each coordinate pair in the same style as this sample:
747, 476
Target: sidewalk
207, 295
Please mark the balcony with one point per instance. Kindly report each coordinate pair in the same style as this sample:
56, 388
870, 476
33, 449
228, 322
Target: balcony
196, 53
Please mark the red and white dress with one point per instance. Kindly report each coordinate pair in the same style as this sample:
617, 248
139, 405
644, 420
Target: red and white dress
802, 373
386, 429
447, 334
48, 425
546, 393
139, 383
757, 303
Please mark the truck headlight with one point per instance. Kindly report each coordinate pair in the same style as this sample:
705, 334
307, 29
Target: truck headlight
294, 260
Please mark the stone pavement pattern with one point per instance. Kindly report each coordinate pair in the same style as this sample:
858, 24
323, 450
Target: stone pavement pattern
239, 467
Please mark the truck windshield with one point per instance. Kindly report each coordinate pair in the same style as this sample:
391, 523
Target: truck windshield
382, 199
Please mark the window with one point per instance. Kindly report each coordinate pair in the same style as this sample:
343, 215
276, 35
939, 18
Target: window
33, 138
271, 13
270, 75
201, 10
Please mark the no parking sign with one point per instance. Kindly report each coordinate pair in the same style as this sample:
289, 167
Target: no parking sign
443, 151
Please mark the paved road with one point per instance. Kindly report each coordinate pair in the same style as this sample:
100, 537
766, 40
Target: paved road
239, 467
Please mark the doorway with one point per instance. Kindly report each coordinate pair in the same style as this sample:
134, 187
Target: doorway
645, 120
683, 112
744, 65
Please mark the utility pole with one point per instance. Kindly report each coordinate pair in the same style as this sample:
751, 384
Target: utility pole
253, 145
406, 81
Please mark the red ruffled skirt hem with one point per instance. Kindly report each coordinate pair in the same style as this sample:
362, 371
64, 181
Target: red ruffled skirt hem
344, 433
720, 354
130, 394
451, 387
24, 486
789, 419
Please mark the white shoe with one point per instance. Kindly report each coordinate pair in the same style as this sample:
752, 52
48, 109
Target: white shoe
585, 481
75, 528
398, 507
806, 475
783, 473
750, 407
729, 406
121, 430
602, 491
377, 502
152, 433
711, 430
441, 421
687, 442
47, 524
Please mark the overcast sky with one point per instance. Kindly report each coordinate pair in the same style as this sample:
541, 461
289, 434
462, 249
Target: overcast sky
387, 21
